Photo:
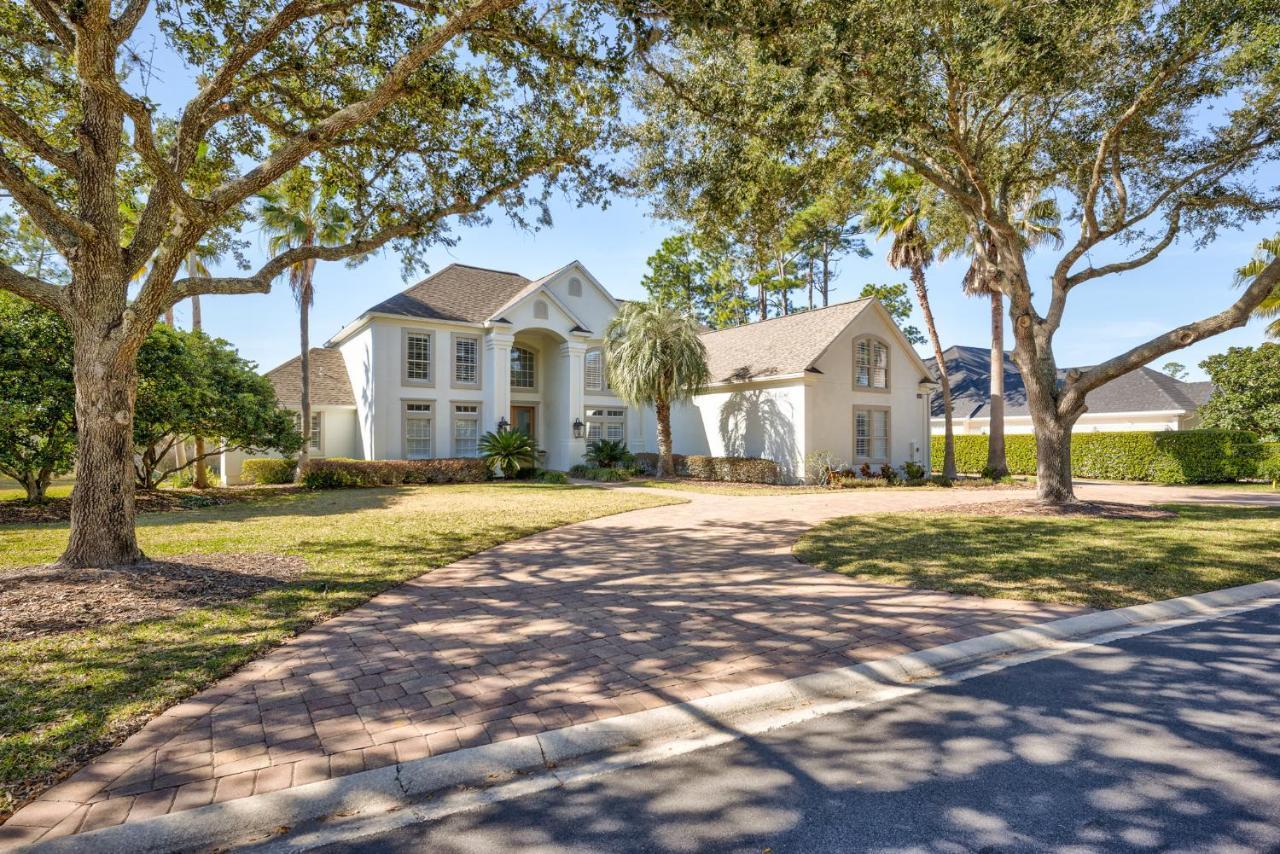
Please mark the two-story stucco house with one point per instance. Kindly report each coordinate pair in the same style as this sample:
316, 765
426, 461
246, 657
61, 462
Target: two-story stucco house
469, 350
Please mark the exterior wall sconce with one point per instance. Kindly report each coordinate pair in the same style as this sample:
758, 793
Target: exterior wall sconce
503, 424
578, 428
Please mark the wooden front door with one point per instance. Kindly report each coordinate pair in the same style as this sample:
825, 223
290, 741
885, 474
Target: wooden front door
525, 419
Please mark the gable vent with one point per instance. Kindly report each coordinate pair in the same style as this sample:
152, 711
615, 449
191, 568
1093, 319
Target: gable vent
540, 310
575, 287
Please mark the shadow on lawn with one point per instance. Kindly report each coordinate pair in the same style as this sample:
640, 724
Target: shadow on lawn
1101, 563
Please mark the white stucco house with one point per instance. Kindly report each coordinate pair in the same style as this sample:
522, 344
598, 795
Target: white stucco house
1144, 399
428, 371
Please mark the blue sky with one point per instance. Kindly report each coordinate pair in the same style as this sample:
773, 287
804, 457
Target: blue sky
1104, 317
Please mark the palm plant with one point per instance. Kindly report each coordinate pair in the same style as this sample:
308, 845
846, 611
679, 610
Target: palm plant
1038, 223
607, 454
301, 215
655, 358
902, 207
197, 264
509, 451
1267, 252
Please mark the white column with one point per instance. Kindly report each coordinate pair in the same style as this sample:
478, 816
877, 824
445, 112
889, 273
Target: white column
572, 354
497, 379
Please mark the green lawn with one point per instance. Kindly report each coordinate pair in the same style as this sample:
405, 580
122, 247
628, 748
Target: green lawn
66, 697
10, 490
1103, 563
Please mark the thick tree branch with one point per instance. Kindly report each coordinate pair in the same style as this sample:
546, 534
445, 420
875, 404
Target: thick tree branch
123, 26
1175, 218
17, 129
54, 19
30, 288
63, 229
327, 131
1236, 315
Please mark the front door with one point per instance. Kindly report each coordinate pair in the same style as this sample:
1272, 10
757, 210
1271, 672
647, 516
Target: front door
525, 419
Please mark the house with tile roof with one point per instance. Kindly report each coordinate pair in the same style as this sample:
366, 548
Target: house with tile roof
427, 372
1144, 399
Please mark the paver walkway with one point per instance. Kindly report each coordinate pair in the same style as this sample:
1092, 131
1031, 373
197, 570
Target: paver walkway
585, 622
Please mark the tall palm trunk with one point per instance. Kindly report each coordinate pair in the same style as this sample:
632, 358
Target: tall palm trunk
304, 310
997, 464
949, 439
666, 463
202, 473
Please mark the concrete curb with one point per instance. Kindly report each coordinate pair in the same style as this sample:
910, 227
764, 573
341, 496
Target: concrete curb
393, 787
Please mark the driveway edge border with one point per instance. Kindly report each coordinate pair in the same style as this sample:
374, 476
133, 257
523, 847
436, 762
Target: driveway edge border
257, 818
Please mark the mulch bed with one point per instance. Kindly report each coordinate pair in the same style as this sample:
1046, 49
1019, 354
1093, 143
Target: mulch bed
1088, 509
40, 601
154, 501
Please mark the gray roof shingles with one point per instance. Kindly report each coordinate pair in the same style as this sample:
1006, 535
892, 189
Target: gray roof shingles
330, 384
1143, 390
776, 347
458, 292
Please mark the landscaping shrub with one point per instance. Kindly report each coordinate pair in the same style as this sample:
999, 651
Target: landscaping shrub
337, 473
548, 476
733, 469
268, 470
1269, 463
1189, 456
608, 454
914, 471
647, 463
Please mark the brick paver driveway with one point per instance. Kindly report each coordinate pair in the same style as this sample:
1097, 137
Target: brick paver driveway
588, 621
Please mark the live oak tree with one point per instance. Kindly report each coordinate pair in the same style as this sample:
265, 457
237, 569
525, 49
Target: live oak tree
1147, 119
1246, 393
414, 114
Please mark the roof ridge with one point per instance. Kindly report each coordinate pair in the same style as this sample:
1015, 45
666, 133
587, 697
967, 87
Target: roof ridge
788, 316
474, 267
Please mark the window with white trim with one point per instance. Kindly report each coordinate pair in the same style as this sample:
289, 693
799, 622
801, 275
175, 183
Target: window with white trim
871, 364
593, 369
608, 424
466, 429
523, 368
314, 444
417, 430
871, 434
417, 356
466, 360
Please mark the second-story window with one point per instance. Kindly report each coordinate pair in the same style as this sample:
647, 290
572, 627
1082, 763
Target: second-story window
593, 368
417, 356
466, 361
871, 364
523, 368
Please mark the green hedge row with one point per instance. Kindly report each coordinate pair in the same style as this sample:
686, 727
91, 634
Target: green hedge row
1188, 456
732, 469
268, 470
336, 473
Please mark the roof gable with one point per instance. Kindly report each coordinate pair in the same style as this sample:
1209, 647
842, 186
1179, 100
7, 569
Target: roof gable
459, 293
330, 383
779, 346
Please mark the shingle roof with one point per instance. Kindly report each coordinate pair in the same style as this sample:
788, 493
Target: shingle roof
458, 292
778, 346
330, 384
1143, 390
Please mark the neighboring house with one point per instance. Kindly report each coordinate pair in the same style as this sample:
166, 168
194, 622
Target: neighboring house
1144, 399
427, 372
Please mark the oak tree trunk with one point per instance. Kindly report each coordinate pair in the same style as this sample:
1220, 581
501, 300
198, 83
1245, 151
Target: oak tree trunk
666, 465
949, 439
1052, 428
997, 463
102, 508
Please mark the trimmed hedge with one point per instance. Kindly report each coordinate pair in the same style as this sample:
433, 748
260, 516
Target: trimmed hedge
268, 470
1269, 462
648, 463
337, 473
1188, 456
732, 469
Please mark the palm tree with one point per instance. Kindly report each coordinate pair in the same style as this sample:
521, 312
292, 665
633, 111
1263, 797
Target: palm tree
300, 215
509, 451
655, 358
901, 207
1037, 222
1268, 250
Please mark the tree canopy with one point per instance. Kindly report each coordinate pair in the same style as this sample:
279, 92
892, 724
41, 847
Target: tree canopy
1246, 393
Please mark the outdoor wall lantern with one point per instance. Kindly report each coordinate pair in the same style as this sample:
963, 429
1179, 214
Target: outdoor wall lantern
578, 428
503, 424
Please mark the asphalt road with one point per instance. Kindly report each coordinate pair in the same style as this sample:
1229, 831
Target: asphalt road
1169, 741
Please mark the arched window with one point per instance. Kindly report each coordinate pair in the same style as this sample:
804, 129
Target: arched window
870, 364
523, 368
540, 310
593, 369
575, 287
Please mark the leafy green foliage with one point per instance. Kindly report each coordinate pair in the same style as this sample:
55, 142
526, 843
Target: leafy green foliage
1175, 369
1247, 390
895, 301
608, 454
37, 417
268, 470
509, 451
654, 355
1187, 456
340, 473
